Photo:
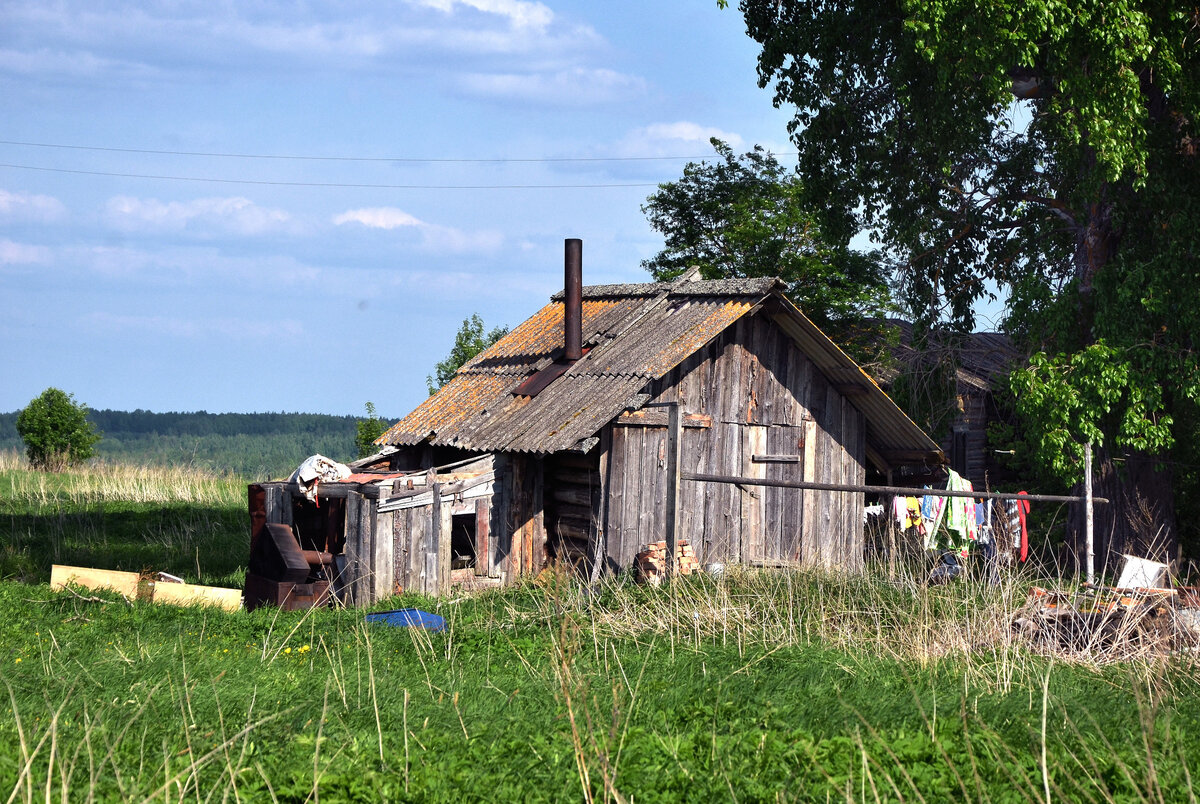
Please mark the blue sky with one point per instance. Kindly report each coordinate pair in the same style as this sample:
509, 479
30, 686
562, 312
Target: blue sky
279, 284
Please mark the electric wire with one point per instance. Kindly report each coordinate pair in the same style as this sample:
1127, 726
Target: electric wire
402, 159
372, 186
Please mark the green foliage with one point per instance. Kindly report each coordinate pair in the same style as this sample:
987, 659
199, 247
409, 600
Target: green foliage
368, 431
469, 341
1068, 400
56, 431
1045, 148
746, 216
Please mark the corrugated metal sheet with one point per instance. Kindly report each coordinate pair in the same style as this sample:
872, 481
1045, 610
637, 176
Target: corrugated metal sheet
637, 333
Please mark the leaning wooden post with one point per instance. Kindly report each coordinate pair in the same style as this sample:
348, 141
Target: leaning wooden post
674, 449
1088, 528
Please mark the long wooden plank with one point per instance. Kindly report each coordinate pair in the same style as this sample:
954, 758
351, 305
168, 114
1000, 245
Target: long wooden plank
382, 550
187, 594
753, 499
124, 583
808, 526
353, 582
674, 450
433, 549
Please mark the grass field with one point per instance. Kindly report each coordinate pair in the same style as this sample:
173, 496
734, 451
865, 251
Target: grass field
753, 687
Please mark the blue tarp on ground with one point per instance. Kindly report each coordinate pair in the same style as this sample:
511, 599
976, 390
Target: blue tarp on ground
412, 618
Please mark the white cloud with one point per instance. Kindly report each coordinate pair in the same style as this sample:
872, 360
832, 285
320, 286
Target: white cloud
24, 206
574, 87
378, 218
84, 37
433, 237
682, 138
12, 253
518, 13
234, 215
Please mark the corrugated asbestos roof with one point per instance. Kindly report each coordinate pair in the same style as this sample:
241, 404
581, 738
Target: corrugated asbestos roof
633, 334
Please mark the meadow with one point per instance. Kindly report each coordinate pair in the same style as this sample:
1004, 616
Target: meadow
755, 686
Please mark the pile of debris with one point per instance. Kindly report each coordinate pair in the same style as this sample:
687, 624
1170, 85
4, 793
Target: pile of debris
1142, 615
650, 564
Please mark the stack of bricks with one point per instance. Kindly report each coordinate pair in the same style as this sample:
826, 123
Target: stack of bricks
651, 561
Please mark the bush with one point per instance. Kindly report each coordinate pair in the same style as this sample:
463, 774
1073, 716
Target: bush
56, 431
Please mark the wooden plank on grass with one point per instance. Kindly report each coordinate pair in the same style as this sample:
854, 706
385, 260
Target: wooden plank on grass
124, 583
187, 594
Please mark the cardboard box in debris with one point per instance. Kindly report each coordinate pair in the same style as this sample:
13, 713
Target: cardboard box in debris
158, 587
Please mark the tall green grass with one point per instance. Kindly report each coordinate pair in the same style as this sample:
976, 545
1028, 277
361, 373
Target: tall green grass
542, 693
756, 686
187, 522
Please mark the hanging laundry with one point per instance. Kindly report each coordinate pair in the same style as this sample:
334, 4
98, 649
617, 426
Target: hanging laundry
932, 510
960, 513
1015, 525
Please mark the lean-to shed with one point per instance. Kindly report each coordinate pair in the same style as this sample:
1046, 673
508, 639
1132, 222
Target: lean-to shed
552, 446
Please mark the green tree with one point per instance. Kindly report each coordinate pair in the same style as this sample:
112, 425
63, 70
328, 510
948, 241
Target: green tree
747, 216
56, 431
1046, 148
368, 429
469, 341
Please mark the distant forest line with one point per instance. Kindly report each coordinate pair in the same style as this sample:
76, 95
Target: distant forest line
252, 445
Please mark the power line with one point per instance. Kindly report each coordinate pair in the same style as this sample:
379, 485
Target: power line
310, 158
329, 184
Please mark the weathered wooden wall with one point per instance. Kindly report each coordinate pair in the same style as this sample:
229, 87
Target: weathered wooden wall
763, 397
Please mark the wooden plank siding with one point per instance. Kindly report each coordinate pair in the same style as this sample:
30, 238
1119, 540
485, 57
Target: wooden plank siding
763, 397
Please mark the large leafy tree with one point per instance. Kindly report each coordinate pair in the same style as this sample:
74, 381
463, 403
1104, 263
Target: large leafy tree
470, 340
56, 431
747, 216
1043, 147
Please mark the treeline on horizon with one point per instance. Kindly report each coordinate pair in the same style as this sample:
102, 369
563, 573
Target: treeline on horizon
252, 445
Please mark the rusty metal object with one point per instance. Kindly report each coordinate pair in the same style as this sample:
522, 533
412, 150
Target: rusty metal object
284, 575
573, 301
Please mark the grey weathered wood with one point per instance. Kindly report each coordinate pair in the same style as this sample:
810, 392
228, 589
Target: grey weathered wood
809, 549
354, 583
444, 549
599, 524
671, 501
754, 440
482, 535
385, 552
433, 549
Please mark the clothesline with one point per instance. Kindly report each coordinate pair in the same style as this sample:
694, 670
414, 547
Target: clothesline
904, 490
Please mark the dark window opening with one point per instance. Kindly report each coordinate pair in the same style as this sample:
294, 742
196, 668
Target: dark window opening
320, 527
462, 541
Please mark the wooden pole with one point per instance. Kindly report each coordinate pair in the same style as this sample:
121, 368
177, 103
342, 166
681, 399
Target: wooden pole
1087, 494
674, 450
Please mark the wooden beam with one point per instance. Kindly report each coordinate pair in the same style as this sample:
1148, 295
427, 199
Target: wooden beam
658, 418
674, 453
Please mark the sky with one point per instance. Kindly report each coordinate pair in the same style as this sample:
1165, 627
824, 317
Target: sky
258, 206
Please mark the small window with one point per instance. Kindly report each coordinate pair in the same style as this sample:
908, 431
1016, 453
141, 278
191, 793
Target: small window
462, 541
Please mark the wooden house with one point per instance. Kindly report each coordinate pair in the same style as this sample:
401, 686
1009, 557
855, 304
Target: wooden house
970, 366
550, 445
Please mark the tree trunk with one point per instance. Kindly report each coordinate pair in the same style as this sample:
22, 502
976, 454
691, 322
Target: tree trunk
1139, 520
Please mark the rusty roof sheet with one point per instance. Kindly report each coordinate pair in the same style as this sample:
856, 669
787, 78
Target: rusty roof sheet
635, 334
